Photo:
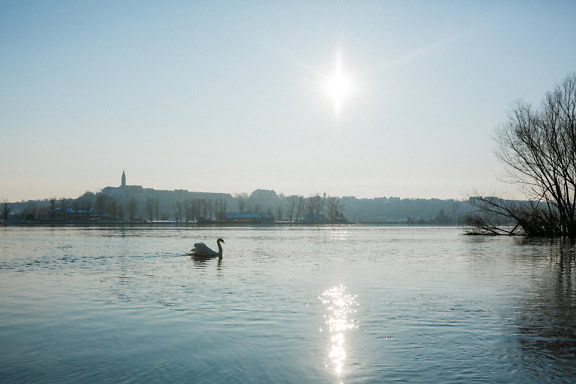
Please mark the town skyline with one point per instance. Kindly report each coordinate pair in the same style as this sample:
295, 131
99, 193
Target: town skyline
137, 204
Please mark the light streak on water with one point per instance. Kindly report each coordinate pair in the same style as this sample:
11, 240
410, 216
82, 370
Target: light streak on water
339, 309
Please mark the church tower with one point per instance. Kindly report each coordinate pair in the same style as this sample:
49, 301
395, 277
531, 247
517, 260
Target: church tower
123, 182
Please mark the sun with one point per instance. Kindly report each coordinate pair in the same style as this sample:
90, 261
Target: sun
339, 86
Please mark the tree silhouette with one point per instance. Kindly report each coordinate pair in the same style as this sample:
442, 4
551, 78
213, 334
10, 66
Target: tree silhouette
538, 146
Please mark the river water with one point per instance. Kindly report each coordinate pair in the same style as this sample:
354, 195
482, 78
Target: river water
350, 304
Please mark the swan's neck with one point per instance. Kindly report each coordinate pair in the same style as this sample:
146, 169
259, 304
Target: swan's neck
220, 249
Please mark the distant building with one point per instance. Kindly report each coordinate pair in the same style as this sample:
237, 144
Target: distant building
124, 188
148, 203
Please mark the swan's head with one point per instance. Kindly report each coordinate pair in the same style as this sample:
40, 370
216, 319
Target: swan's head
220, 241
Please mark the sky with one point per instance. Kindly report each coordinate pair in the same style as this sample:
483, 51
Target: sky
362, 98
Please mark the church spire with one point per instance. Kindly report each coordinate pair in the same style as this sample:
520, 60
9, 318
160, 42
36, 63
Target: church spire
123, 182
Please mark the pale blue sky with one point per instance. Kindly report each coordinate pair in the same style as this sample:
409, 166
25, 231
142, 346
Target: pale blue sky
228, 96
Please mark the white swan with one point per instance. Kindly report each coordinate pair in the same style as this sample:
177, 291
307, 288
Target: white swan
202, 250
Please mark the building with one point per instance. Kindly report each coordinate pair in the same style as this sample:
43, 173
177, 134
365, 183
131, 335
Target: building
124, 188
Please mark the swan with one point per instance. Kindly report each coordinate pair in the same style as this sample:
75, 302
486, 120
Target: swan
201, 249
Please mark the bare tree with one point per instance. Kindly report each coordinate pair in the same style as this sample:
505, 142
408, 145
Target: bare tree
505, 217
220, 207
210, 204
5, 210
192, 209
242, 199
64, 205
52, 202
102, 203
83, 205
132, 208
292, 201
454, 208
478, 225
314, 206
178, 211
194, 206
30, 211
112, 208
333, 208
204, 208
300, 207
150, 209
539, 149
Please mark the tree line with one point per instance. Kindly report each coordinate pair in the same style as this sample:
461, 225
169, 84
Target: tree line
318, 209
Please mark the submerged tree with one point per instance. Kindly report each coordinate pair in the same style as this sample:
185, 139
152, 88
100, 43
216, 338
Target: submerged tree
539, 149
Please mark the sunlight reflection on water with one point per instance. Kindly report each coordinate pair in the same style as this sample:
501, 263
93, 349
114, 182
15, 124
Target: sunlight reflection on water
339, 306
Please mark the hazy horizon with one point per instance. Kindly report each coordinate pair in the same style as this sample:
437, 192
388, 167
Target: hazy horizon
364, 99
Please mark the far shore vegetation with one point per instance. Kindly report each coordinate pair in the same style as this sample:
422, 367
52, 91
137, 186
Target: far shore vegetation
135, 204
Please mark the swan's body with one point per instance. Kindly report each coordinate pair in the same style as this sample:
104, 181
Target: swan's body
202, 250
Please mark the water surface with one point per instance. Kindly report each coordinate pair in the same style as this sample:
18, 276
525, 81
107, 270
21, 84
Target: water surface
350, 304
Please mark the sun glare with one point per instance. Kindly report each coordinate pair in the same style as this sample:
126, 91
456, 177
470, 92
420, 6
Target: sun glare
339, 86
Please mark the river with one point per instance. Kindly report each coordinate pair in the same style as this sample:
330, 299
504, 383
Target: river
345, 304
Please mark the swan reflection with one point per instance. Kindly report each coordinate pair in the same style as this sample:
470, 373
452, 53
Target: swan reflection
339, 307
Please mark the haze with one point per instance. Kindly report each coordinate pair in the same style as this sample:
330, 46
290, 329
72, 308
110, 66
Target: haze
231, 97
